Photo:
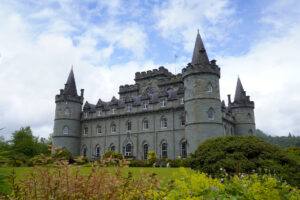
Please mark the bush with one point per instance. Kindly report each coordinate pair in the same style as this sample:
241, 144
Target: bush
151, 157
139, 163
244, 154
113, 154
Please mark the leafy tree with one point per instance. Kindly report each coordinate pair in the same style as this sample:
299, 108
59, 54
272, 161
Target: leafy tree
243, 154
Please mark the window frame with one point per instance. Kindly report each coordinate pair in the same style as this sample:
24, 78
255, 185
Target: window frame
99, 127
164, 122
145, 153
144, 123
64, 130
164, 150
113, 128
129, 125
85, 130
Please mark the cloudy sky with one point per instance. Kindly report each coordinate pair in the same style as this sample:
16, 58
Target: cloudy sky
108, 41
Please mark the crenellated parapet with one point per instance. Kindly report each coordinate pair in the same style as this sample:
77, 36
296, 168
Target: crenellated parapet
161, 71
211, 68
124, 89
63, 97
173, 80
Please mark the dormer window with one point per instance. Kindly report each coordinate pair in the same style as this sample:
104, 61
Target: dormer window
129, 108
99, 113
163, 103
145, 106
113, 111
181, 100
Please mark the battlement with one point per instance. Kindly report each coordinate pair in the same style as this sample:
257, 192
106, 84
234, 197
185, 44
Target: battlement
211, 68
128, 88
64, 97
161, 71
174, 79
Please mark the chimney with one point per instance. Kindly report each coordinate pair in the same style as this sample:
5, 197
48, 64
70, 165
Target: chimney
229, 99
81, 92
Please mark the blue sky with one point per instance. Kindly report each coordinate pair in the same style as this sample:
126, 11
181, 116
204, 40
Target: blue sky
108, 41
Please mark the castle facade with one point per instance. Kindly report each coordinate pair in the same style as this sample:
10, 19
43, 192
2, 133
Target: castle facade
170, 114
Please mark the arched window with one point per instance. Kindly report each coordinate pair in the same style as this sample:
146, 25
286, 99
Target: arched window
128, 125
112, 147
210, 114
67, 112
183, 148
128, 149
66, 130
209, 87
113, 128
99, 129
164, 149
84, 151
249, 116
97, 151
145, 124
145, 151
250, 132
145, 106
182, 120
164, 122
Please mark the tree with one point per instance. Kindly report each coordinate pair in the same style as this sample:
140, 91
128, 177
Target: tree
243, 154
24, 142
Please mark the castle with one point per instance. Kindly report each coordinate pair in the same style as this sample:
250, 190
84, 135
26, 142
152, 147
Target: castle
170, 114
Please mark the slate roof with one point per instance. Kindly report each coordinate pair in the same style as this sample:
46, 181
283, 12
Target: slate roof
240, 94
70, 86
199, 55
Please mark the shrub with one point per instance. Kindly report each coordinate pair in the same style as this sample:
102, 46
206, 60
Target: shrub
243, 154
151, 157
139, 163
113, 154
199, 186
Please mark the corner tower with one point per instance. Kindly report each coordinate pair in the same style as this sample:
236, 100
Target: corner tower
243, 111
67, 117
202, 98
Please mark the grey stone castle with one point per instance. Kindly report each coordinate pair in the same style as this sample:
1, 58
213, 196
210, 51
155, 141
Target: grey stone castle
170, 114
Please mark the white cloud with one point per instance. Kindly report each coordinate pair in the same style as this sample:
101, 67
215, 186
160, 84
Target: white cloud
178, 20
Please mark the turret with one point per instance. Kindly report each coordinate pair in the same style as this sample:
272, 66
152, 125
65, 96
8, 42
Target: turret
243, 111
202, 98
67, 117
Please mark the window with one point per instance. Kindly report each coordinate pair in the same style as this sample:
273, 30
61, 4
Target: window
99, 113
113, 128
99, 131
113, 111
84, 151
86, 130
182, 120
181, 100
184, 149
145, 151
145, 124
129, 108
86, 115
164, 122
66, 130
249, 116
210, 114
250, 132
164, 150
97, 151
129, 126
112, 147
209, 87
145, 106
163, 103
128, 150
67, 112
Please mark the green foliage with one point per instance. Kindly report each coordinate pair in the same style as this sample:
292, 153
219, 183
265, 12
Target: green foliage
282, 141
139, 163
244, 154
113, 154
199, 186
151, 157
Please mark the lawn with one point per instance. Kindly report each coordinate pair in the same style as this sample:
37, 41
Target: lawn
164, 174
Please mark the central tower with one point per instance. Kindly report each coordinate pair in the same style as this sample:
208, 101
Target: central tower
201, 98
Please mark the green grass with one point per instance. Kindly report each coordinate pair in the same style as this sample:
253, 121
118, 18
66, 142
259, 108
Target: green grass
164, 174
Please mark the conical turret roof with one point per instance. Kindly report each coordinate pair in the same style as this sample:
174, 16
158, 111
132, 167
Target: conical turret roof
240, 93
199, 55
70, 86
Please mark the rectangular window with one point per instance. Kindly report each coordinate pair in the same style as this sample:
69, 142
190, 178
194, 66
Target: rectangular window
85, 115
129, 108
86, 130
129, 126
99, 113
99, 131
163, 103
113, 111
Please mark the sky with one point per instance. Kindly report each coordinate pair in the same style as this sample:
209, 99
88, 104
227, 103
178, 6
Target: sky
108, 41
